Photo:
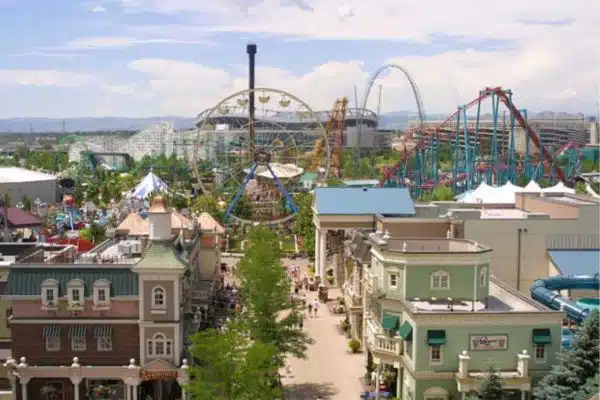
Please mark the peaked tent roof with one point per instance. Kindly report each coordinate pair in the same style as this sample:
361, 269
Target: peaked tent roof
134, 224
208, 223
559, 188
180, 221
150, 184
532, 187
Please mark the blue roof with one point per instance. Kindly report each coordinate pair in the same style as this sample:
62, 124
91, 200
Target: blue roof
363, 201
576, 261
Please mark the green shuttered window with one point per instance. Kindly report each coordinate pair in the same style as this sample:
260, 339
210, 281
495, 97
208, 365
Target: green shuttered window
77, 331
102, 331
436, 338
51, 331
542, 336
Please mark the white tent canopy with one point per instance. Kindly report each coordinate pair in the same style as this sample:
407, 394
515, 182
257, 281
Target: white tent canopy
486, 194
150, 184
559, 188
532, 187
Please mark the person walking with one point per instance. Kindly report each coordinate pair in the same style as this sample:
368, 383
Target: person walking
310, 307
316, 307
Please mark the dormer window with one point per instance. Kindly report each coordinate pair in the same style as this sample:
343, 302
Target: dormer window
75, 293
440, 280
101, 293
159, 300
483, 277
49, 293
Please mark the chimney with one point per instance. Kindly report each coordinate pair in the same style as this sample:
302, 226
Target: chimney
159, 216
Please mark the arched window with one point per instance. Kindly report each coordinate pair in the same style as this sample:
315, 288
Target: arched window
440, 280
483, 276
160, 346
436, 393
159, 299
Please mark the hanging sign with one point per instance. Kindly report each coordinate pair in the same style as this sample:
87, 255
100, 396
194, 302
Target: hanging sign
158, 375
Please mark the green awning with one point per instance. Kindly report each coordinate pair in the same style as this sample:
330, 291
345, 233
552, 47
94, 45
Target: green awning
77, 331
390, 322
51, 331
542, 336
436, 338
102, 331
406, 331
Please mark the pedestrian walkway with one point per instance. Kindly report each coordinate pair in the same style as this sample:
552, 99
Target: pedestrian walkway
329, 372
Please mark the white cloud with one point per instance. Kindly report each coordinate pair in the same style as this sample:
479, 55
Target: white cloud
112, 42
98, 9
44, 77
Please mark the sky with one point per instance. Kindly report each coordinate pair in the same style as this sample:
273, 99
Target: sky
140, 58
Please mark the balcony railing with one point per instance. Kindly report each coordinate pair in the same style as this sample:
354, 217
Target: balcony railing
381, 343
352, 299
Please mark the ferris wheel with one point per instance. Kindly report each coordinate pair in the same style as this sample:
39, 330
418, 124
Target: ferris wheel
257, 160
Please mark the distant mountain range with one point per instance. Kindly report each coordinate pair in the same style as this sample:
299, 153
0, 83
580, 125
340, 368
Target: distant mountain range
392, 120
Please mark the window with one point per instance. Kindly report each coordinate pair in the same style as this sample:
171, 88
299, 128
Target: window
78, 343
49, 293
52, 343
440, 280
104, 343
435, 354
101, 293
393, 281
540, 353
158, 298
436, 393
483, 277
408, 348
75, 292
160, 346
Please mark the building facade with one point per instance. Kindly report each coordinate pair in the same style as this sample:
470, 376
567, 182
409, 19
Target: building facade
107, 330
435, 321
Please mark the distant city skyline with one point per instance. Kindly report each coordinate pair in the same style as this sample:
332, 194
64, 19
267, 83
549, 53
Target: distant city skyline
144, 58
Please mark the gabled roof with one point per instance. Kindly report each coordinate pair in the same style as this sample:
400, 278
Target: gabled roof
363, 201
161, 255
576, 262
27, 281
180, 221
208, 223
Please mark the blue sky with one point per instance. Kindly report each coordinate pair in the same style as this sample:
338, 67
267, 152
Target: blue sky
65, 58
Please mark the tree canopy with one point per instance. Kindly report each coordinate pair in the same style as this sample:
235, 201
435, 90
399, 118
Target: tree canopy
575, 377
303, 225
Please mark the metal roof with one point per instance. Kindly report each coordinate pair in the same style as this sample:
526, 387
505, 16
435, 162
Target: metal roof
22, 175
576, 262
363, 201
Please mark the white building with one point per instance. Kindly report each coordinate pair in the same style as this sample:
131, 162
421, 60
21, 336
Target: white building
21, 182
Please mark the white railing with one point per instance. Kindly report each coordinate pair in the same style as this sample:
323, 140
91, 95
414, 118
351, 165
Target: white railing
388, 345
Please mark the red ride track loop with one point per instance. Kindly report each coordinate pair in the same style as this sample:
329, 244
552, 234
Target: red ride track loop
389, 172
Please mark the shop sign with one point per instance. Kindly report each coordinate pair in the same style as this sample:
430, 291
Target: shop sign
158, 375
488, 342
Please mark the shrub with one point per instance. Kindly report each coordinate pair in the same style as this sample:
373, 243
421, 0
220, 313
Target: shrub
354, 345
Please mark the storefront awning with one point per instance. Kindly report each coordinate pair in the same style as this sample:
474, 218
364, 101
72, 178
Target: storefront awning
390, 322
51, 331
77, 331
435, 338
102, 331
542, 336
406, 331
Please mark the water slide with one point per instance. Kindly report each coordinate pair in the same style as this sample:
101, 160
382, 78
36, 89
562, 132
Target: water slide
544, 290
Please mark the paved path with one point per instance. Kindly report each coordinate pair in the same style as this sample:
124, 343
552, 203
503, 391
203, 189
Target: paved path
329, 372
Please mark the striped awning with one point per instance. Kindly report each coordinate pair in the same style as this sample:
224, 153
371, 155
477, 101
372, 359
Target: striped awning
102, 331
51, 331
76, 331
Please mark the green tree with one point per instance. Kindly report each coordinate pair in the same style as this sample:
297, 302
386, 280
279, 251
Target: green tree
95, 233
575, 377
271, 316
581, 189
230, 366
303, 225
26, 203
206, 203
490, 389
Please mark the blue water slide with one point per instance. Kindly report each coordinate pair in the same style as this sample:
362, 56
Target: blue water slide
543, 290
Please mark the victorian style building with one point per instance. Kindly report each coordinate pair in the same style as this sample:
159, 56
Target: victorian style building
109, 331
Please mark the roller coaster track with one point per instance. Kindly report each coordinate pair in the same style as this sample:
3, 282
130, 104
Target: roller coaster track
426, 133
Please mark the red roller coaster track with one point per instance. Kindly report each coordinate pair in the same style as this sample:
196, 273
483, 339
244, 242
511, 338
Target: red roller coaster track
390, 171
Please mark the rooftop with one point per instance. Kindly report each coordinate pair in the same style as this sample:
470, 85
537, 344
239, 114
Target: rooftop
575, 262
18, 218
21, 175
426, 245
503, 213
365, 201
500, 299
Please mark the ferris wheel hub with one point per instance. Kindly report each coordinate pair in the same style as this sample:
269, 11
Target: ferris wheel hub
262, 157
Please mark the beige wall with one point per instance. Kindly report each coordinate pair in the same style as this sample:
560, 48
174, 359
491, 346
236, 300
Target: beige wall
169, 315
4, 329
502, 237
406, 229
